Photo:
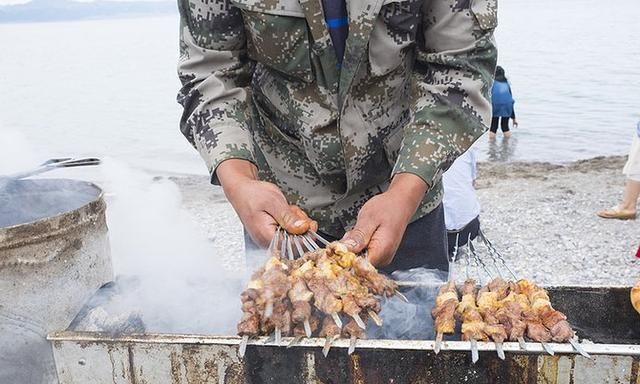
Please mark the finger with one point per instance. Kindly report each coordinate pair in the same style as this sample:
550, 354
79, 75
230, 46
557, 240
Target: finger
304, 227
383, 245
262, 230
358, 238
288, 218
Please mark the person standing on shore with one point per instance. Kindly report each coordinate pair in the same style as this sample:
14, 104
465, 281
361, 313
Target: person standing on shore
350, 110
626, 210
461, 205
502, 105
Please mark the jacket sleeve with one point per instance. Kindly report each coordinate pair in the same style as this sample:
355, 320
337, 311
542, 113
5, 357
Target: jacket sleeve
451, 85
215, 74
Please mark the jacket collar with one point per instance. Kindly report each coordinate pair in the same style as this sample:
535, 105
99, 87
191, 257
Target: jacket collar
362, 17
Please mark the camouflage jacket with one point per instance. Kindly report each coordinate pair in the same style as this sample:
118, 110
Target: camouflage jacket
260, 82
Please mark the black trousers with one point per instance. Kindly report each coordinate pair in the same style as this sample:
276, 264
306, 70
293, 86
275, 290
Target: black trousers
504, 124
424, 244
461, 237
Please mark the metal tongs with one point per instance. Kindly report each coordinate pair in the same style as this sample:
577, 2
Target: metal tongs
49, 165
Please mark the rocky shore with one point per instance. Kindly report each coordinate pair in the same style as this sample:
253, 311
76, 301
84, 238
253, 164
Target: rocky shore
540, 216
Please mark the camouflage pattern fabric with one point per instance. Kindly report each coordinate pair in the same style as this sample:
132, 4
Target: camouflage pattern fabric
260, 83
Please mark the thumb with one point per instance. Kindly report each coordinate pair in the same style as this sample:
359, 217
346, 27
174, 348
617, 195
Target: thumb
292, 220
358, 238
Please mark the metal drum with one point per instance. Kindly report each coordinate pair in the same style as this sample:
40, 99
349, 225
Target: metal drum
54, 255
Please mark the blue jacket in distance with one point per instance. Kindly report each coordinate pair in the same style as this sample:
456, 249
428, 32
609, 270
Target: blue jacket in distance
501, 99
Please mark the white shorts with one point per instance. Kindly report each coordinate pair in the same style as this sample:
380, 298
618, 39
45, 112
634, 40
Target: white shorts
632, 167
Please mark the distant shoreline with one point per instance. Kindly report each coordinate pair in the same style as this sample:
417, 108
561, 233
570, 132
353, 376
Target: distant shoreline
46, 11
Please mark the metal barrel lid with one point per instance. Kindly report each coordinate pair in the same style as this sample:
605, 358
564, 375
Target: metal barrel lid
36, 210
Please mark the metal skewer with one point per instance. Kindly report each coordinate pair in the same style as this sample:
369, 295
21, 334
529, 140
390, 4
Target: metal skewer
310, 244
327, 344
307, 327
243, 345
268, 309
578, 348
319, 238
522, 343
402, 296
289, 248
438, 344
474, 351
352, 345
274, 241
295, 341
494, 253
374, 316
500, 350
283, 243
336, 319
298, 246
359, 321
278, 336
547, 348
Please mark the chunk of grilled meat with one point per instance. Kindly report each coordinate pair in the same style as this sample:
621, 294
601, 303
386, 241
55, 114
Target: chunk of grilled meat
444, 310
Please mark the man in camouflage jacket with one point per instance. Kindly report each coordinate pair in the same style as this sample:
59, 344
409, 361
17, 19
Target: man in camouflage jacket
361, 146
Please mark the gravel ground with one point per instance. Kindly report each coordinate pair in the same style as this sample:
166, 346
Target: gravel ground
540, 216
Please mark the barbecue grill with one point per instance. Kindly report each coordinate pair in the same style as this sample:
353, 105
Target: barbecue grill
602, 316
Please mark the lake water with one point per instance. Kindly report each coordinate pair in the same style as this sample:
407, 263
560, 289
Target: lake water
107, 87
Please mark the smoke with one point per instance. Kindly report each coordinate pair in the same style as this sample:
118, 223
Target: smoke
15, 153
412, 320
170, 274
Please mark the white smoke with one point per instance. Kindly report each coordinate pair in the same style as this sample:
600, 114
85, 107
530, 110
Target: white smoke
16, 155
410, 320
180, 284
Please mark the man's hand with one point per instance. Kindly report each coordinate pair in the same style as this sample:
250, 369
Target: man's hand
261, 206
515, 123
383, 219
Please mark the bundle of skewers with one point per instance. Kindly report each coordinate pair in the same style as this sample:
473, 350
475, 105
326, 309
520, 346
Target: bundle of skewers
326, 292
504, 309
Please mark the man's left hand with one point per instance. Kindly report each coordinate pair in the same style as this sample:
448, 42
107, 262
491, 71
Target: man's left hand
383, 219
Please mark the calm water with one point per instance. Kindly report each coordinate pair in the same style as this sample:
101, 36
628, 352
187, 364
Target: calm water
107, 87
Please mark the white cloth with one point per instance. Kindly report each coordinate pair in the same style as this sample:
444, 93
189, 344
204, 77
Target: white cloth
632, 167
460, 201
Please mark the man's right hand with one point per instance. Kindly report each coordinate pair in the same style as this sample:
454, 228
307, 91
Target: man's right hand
260, 205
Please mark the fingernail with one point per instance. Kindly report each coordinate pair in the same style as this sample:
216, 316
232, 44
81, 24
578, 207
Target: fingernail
350, 243
298, 223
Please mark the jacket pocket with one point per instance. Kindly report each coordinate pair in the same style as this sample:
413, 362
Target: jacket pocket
486, 13
277, 36
393, 35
